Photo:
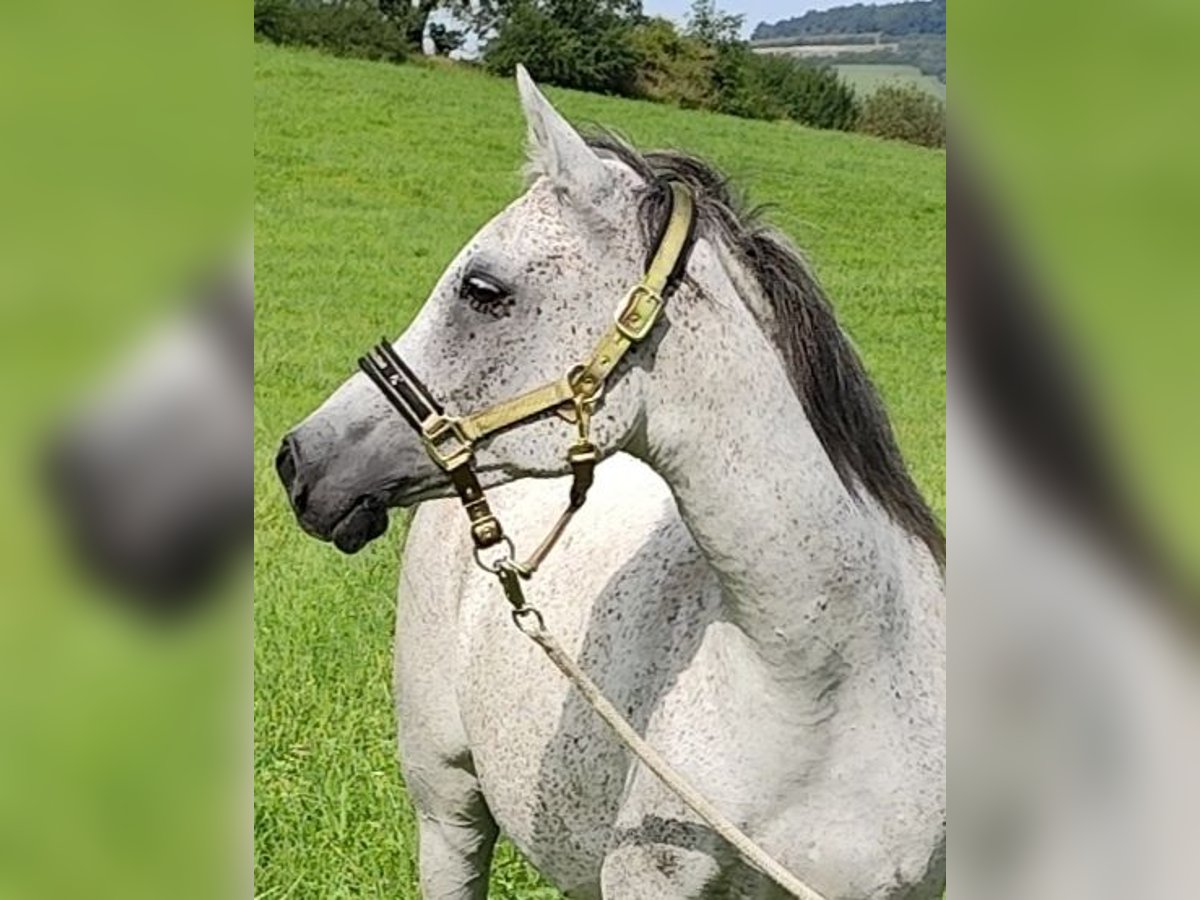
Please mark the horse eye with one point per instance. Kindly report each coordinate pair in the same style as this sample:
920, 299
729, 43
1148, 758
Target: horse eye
485, 295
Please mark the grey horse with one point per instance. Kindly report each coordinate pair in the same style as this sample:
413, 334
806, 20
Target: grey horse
756, 582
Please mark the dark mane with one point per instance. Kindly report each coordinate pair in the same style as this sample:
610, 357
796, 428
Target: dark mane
839, 399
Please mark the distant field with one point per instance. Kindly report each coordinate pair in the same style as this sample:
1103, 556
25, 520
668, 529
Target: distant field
803, 51
368, 179
800, 40
866, 79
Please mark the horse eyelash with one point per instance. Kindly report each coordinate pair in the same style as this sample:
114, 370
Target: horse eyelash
497, 306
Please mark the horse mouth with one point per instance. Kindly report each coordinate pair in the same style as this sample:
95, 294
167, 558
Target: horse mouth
366, 520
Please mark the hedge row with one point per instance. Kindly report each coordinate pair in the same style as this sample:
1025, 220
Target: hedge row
608, 47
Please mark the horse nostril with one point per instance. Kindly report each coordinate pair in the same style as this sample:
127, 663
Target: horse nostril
287, 465
299, 496
285, 462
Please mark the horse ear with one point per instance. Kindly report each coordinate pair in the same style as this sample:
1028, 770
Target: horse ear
556, 150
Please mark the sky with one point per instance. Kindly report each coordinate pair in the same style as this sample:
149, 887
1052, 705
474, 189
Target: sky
755, 11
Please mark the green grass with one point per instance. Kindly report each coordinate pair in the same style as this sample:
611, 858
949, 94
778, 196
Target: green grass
369, 178
866, 78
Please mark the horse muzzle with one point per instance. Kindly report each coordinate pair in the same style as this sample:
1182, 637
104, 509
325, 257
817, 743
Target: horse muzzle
350, 521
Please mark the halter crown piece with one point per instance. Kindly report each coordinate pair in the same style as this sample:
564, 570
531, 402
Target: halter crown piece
450, 440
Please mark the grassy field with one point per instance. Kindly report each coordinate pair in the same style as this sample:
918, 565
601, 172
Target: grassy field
368, 179
866, 79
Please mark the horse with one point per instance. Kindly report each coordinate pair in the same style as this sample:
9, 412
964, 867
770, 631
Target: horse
147, 472
756, 582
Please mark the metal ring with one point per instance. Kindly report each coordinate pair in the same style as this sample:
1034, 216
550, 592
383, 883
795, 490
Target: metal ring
510, 552
520, 615
592, 399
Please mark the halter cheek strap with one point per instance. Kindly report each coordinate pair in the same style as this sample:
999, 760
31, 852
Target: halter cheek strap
450, 441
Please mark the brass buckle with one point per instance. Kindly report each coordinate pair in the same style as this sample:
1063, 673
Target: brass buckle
436, 433
638, 312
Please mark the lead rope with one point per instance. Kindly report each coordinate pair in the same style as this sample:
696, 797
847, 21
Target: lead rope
529, 621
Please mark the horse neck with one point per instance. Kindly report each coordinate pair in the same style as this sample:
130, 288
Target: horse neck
804, 565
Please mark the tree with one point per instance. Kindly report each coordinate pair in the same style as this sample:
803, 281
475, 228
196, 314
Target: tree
720, 32
487, 18
412, 16
484, 18
904, 112
912, 17
810, 95
342, 27
673, 67
572, 43
712, 26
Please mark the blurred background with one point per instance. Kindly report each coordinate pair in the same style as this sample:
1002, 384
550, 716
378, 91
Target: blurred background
125, 182
1072, 449
1073, 495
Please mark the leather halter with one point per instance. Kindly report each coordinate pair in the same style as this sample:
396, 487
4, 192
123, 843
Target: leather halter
450, 440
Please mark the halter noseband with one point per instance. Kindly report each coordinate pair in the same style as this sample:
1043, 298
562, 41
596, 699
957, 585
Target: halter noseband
450, 440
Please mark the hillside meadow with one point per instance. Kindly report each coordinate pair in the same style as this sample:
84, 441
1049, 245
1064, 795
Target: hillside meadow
368, 179
867, 78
